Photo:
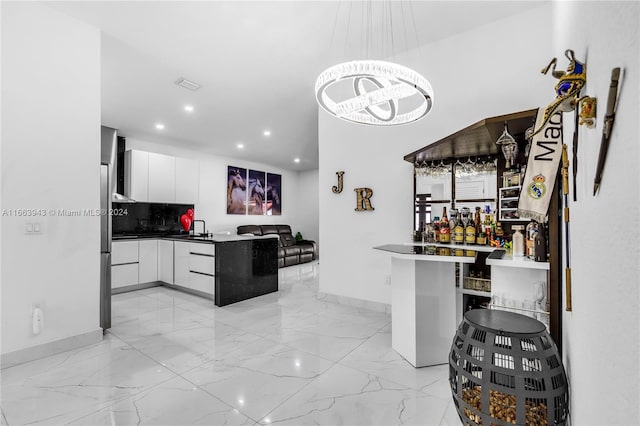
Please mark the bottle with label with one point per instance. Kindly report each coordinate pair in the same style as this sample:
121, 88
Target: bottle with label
458, 230
518, 242
530, 238
445, 230
436, 229
470, 228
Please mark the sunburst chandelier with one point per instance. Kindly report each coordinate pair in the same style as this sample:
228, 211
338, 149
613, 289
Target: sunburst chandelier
374, 92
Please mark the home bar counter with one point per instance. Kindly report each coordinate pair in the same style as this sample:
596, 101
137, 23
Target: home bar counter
423, 300
427, 294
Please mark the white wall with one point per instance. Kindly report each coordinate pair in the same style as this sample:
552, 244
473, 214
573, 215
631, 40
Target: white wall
51, 160
298, 203
307, 202
602, 332
485, 72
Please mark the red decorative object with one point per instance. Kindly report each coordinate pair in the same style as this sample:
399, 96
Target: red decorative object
191, 214
186, 222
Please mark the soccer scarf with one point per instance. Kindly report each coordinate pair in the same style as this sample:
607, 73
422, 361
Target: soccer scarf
542, 168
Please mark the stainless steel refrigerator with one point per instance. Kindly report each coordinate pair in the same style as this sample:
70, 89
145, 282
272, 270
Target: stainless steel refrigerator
105, 247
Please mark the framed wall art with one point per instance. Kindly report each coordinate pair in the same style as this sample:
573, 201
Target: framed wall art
236, 190
274, 194
257, 204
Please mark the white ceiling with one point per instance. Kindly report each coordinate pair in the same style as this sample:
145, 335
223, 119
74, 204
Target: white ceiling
257, 62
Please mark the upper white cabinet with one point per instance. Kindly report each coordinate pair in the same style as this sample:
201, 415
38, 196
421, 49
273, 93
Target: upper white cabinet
187, 172
161, 178
136, 175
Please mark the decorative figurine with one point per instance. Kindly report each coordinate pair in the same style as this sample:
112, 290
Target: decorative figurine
568, 88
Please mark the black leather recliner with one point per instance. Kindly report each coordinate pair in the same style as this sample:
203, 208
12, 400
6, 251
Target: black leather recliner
290, 251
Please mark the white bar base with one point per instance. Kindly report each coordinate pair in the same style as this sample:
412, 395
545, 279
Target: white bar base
423, 310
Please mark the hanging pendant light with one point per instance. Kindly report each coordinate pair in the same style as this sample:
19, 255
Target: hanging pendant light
509, 147
377, 92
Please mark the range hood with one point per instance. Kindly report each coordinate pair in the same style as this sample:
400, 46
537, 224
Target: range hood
109, 143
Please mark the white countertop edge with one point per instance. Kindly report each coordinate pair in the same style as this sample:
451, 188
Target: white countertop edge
524, 263
487, 249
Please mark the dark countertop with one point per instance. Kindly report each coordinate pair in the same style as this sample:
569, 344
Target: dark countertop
215, 238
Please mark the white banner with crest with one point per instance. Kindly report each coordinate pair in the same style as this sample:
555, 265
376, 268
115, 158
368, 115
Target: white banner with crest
542, 168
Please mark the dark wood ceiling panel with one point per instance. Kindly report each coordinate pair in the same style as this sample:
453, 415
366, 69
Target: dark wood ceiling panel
479, 139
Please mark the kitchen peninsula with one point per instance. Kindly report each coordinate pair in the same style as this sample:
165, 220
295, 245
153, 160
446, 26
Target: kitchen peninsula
225, 268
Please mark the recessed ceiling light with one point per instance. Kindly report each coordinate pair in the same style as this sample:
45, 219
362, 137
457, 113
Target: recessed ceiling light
296, 160
267, 133
188, 108
160, 126
240, 145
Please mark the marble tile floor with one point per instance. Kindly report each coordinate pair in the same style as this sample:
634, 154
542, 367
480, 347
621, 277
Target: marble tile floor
286, 358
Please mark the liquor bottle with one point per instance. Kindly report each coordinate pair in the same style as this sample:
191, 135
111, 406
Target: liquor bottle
445, 230
458, 230
540, 246
470, 229
530, 238
436, 229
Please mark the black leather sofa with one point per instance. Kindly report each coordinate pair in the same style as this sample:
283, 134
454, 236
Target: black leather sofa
290, 251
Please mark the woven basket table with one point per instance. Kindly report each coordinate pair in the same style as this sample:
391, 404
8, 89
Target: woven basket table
505, 369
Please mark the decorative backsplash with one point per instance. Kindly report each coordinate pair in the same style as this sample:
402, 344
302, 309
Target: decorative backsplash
148, 218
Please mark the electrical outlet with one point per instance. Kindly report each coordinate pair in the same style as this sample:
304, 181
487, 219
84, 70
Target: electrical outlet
387, 280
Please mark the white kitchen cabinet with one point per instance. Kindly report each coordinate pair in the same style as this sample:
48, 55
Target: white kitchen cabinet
124, 252
165, 261
162, 178
202, 267
201, 282
148, 261
181, 263
124, 275
136, 176
187, 178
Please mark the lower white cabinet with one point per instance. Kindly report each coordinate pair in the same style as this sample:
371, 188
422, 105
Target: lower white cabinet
124, 263
181, 263
148, 261
201, 282
194, 266
189, 265
124, 275
124, 252
165, 261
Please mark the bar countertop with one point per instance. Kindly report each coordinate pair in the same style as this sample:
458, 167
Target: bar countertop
430, 253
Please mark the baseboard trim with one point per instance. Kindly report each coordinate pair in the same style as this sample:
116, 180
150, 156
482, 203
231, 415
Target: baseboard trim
21, 356
358, 303
135, 287
190, 291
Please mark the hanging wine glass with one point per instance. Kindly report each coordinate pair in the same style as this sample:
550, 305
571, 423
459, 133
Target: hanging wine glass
460, 168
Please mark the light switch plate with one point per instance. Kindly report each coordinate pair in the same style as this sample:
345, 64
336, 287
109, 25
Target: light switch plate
28, 228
